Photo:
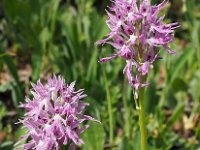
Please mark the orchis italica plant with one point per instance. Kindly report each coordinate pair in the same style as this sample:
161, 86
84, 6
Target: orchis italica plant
137, 32
54, 115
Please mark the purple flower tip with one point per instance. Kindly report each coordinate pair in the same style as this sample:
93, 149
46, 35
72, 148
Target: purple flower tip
54, 115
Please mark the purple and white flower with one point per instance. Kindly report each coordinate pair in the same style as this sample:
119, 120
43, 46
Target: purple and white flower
137, 32
54, 115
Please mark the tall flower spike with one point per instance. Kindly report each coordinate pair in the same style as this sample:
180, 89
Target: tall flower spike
54, 115
136, 32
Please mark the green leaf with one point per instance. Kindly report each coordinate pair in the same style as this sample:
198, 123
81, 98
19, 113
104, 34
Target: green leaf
175, 116
151, 99
4, 87
180, 64
13, 70
20, 132
125, 144
195, 86
179, 85
94, 137
2, 114
36, 62
7, 145
137, 141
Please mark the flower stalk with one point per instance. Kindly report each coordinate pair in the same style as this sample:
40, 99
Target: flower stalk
142, 121
139, 103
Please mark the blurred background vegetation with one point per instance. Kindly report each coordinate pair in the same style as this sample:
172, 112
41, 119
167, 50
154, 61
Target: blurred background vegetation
41, 37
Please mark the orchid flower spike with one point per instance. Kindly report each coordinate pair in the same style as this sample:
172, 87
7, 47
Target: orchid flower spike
137, 32
54, 116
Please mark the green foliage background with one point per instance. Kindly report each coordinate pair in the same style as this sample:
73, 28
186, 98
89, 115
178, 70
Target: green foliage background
57, 37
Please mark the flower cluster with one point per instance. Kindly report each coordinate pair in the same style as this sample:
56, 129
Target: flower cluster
54, 115
136, 33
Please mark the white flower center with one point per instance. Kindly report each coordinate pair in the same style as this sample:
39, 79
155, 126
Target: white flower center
119, 23
57, 117
53, 95
132, 39
130, 14
41, 143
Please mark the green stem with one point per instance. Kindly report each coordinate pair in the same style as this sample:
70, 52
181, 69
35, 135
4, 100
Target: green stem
111, 129
142, 121
143, 134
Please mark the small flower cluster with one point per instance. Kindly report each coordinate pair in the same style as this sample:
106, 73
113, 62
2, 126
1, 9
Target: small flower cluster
136, 33
54, 115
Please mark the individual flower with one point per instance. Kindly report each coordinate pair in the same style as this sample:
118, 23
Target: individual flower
54, 115
137, 32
